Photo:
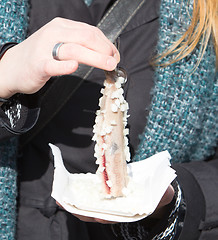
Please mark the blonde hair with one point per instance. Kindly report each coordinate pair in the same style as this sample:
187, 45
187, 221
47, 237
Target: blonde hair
203, 25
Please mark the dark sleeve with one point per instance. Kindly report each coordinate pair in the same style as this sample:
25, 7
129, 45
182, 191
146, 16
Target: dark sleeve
199, 183
18, 115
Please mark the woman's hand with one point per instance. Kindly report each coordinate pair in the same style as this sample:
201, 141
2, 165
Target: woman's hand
26, 67
158, 213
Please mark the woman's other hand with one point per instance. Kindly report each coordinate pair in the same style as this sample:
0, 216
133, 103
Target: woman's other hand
158, 213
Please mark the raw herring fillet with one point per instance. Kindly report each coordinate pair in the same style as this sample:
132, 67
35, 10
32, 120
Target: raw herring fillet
111, 149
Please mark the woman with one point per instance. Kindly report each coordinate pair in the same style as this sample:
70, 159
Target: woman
181, 113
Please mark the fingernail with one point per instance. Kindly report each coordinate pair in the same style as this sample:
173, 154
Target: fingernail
111, 63
117, 57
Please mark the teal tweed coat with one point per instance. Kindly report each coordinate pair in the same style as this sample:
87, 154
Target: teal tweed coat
13, 27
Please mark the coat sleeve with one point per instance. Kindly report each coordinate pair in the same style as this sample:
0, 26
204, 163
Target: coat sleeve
18, 115
199, 181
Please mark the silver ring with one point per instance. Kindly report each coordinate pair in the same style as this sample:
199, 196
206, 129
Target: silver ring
55, 50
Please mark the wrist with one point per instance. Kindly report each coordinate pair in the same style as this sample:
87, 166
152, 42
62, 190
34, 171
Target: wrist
5, 93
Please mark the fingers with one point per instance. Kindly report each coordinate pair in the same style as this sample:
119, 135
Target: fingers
167, 197
92, 219
56, 68
80, 217
83, 34
162, 206
83, 44
102, 221
91, 38
92, 57
88, 219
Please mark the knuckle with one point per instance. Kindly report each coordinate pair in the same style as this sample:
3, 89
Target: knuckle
57, 20
97, 30
90, 36
49, 29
